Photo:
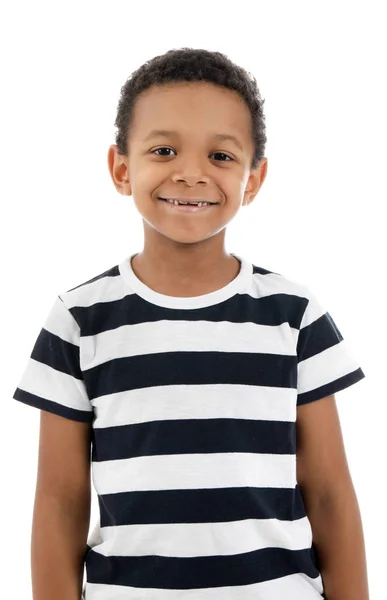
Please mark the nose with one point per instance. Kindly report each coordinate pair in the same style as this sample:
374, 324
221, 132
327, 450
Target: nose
191, 171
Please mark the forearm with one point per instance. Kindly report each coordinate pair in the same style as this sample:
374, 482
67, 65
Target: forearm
339, 542
58, 545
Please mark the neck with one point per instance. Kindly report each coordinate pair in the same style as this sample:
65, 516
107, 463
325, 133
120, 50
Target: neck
185, 273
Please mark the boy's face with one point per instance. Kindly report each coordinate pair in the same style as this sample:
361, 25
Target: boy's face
196, 164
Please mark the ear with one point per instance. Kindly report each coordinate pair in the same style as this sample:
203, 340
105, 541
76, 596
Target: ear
256, 178
118, 169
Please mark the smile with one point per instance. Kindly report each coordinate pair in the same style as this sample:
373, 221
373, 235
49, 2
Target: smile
191, 208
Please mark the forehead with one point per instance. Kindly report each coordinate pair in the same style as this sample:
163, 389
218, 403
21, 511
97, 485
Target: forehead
191, 106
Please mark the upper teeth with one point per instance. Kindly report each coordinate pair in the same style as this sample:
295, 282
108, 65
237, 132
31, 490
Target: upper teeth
189, 203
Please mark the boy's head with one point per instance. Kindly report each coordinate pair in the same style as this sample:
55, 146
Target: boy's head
198, 96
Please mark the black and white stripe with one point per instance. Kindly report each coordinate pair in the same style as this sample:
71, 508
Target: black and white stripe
193, 407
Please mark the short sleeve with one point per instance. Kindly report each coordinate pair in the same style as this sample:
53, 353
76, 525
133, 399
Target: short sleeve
325, 363
52, 379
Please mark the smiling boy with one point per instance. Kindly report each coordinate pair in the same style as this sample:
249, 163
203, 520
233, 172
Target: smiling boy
184, 252
204, 384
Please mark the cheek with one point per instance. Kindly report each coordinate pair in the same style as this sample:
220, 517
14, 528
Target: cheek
144, 176
145, 182
231, 179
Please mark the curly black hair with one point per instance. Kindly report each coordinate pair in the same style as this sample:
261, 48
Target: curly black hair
191, 64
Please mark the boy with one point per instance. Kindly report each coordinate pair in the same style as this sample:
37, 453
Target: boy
193, 376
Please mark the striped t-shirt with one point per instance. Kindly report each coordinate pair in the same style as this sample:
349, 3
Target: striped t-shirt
192, 402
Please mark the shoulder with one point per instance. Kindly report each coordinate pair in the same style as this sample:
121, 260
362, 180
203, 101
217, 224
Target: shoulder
273, 282
293, 299
91, 290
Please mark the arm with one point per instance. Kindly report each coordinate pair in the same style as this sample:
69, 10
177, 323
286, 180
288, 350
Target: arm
62, 509
330, 501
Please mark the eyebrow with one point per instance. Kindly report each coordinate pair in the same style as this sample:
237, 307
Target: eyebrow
219, 136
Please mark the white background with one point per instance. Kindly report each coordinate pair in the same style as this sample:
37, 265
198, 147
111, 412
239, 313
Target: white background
319, 217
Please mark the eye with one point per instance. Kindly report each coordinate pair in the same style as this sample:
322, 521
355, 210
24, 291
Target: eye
222, 153
162, 148
166, 148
